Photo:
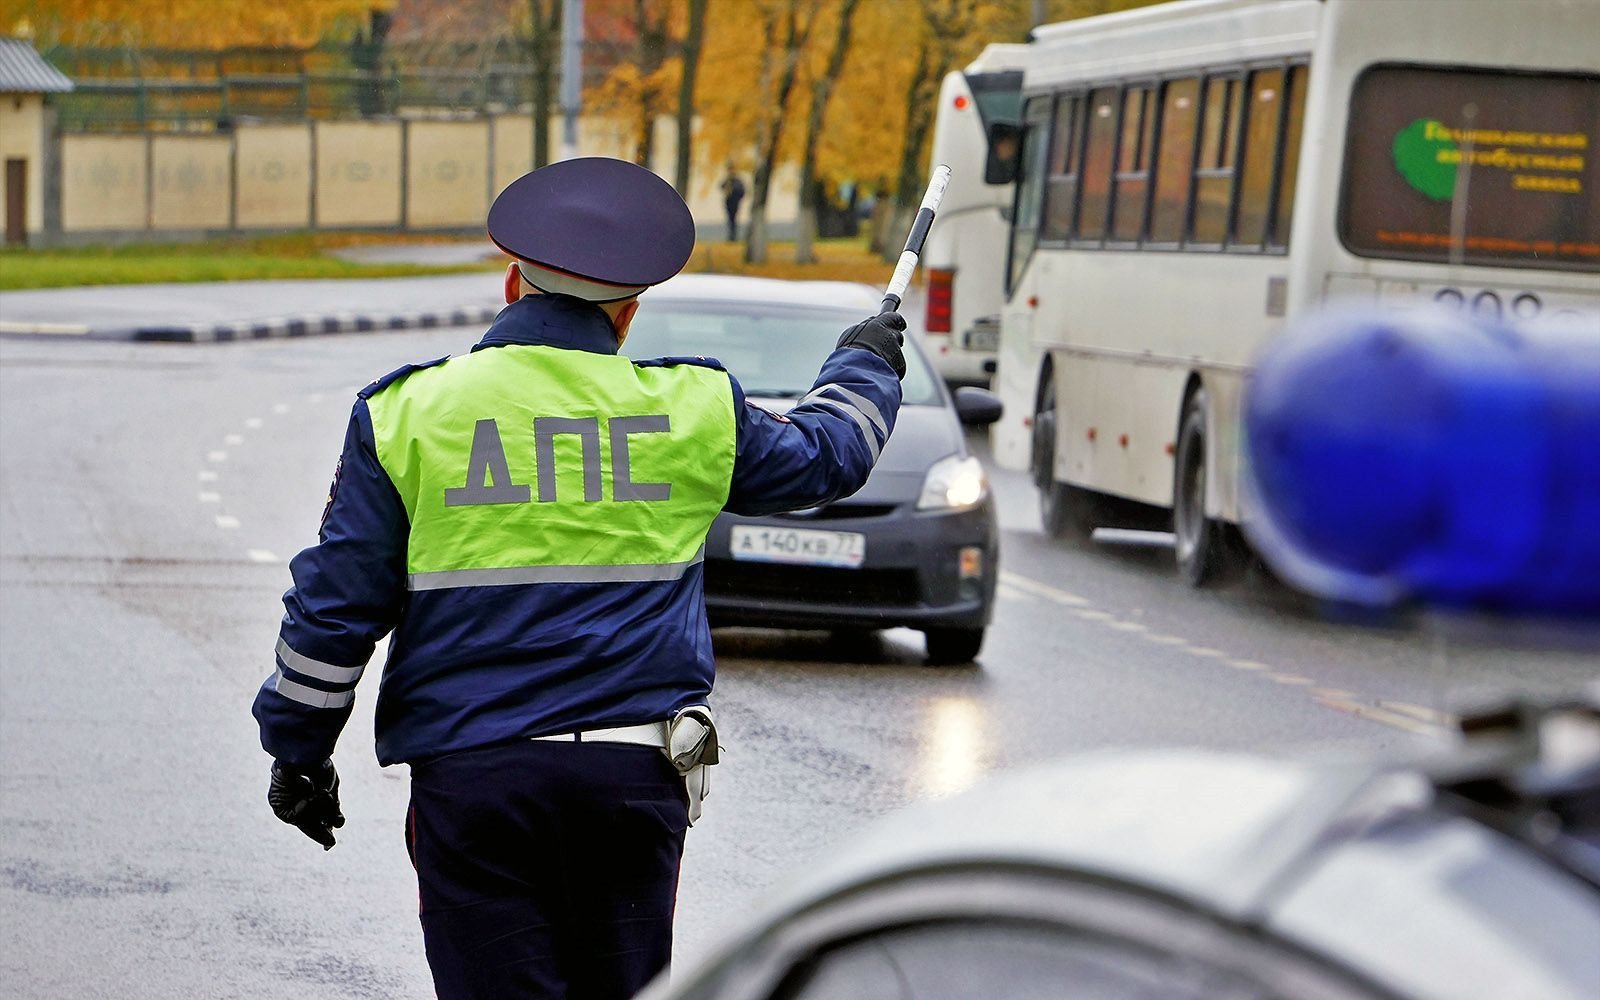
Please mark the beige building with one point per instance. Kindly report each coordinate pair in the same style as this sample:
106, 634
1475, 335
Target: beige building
25, 81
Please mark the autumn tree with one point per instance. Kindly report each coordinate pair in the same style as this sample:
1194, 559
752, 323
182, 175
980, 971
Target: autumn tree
184, 24
544, 51
821, 95
636, 35
688, 74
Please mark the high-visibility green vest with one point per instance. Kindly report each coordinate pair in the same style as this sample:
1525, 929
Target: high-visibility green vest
528, 464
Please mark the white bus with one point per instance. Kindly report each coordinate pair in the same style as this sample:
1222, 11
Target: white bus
964, 260
1193, 175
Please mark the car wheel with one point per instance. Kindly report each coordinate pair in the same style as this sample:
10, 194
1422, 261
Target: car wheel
1205, 551
1067, 512
953, 646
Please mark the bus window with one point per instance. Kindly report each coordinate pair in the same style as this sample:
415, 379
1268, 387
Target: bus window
1283, 206
1065, 148
1520, 148
1180, 108
1030, 187
1099, 152
1213, 181
1262, 117
1133, 165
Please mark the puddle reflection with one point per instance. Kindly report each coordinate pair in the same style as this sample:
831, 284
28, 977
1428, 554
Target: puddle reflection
955, 754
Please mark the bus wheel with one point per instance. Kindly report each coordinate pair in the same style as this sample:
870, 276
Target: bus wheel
1203, 549
1065, 510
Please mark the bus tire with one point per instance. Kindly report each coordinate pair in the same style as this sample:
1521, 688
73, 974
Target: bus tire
1203, 547
1067, 512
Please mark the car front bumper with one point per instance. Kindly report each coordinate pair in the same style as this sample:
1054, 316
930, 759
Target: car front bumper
910, 575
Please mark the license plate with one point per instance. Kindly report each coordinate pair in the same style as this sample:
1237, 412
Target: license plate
798, 545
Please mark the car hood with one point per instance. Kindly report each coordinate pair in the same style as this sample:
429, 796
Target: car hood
922, 435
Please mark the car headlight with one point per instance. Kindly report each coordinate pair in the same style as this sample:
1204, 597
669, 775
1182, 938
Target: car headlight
953, 483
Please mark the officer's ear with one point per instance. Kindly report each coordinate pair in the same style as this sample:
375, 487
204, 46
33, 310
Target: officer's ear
622, 317
513, 283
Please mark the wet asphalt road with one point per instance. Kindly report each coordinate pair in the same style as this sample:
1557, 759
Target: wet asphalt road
150, 497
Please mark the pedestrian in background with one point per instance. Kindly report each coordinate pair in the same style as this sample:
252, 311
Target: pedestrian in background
529, 521
732, 195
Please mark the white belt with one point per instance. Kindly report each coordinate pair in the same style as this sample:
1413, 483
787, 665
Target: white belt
650, 734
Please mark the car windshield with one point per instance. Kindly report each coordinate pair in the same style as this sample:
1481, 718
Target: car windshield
773, 350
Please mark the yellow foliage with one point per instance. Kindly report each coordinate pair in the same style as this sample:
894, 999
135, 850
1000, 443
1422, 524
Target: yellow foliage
182, 24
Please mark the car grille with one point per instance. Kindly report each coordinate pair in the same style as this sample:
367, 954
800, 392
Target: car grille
840, 511
811, 584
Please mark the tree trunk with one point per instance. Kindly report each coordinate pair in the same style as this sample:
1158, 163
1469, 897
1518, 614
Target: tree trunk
545, 16
908, 187
821, 93
755, 251
943, 34
692, 43
652, 51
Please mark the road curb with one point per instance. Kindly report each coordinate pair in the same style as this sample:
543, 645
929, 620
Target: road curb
304, 325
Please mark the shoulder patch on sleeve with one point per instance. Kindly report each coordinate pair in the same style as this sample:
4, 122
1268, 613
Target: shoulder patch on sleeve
378, 385
674, 362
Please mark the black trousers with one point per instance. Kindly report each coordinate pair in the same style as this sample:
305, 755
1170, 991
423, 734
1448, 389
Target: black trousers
547, 869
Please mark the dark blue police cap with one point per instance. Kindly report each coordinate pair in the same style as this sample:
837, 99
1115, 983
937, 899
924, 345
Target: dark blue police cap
595, 227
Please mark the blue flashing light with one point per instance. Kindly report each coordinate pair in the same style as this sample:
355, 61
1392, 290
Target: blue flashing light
1429, 456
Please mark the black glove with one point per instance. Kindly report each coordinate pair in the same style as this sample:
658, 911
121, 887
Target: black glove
882, 335
307, 799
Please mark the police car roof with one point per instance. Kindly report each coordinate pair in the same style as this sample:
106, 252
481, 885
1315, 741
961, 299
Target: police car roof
735, 288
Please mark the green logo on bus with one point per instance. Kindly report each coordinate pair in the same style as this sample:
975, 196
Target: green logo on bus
1422, 154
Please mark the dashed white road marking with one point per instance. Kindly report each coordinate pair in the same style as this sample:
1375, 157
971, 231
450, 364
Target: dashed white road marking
261, 556
227, 521
1011, 593
253, 423
280, 408
315, 397
216, 456
206, 475
1397, 714
207, 497
233, 439
1419, 712
1376, 714
1044, 590
1162, 639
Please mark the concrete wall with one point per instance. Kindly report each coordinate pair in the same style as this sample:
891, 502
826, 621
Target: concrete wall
418, 174
191, 182
22, 138
358, 174
447, 174
273, 177
105, 183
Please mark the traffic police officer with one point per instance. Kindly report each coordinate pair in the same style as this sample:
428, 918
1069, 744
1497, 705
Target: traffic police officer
529, 521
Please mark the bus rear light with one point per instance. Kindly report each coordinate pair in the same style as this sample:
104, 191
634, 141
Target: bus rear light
961, 102
1093, 434
941, 296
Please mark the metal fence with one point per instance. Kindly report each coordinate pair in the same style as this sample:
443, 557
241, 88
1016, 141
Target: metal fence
136, 90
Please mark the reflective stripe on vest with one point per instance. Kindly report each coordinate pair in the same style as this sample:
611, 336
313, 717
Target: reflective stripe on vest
524, 464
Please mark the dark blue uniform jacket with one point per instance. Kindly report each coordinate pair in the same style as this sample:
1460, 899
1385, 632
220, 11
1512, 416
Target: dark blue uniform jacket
475, 666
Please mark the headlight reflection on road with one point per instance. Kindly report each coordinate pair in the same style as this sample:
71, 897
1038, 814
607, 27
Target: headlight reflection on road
953, 758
